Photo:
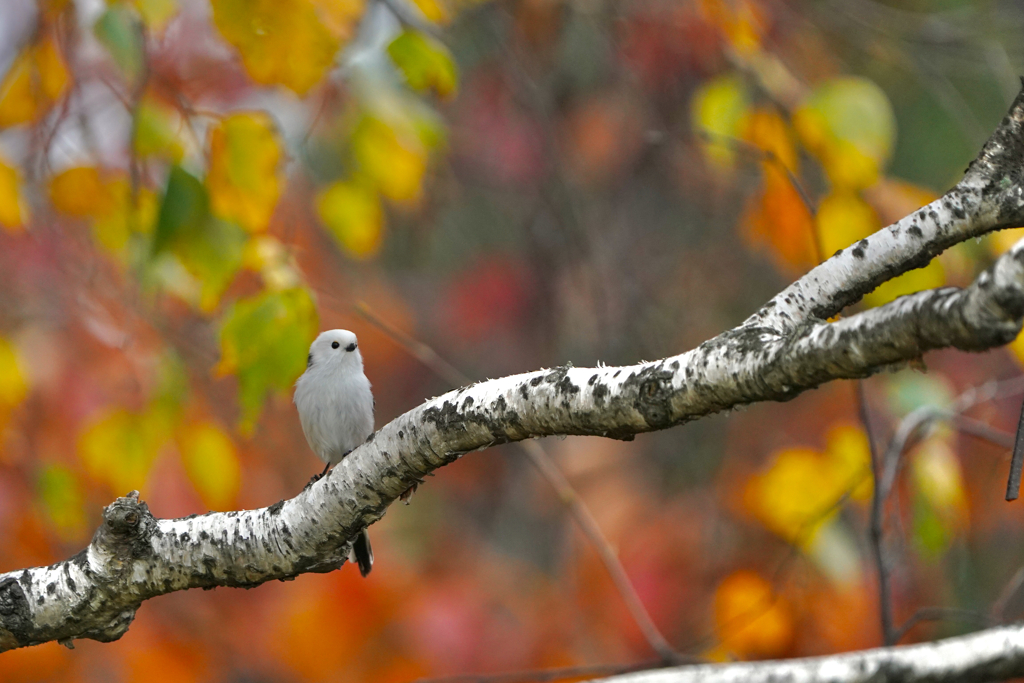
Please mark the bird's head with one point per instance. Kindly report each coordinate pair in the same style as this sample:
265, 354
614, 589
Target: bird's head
335, 349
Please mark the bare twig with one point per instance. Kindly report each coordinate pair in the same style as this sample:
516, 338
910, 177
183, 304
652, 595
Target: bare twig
980, 430
766, 155
1016, 461
880, 493
998, 610
581, 513
544, 675
415, 348
566, 493
938, 614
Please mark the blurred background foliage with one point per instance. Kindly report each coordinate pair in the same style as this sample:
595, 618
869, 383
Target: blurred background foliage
191, 189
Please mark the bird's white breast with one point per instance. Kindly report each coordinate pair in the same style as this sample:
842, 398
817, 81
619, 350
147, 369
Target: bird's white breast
335, 409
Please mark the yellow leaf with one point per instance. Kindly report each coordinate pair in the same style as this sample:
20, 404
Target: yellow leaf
844, 218
433, 10
33, 83
62, 499
751, 621
849, 452
113, 230
1001, 241
796, 495
281, 42
930, 277
352, 213
156, 13
13, 383
394, 162
243, 177
81, 192
12, 210
718, 107
211, 462
120, 447
426, 63
848, 123
940, 500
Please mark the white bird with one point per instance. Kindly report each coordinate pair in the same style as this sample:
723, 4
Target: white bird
335, 407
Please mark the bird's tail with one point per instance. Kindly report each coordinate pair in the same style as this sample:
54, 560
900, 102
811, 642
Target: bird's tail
362, 553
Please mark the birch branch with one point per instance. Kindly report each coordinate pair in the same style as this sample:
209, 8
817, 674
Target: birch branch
784, 349
995, 654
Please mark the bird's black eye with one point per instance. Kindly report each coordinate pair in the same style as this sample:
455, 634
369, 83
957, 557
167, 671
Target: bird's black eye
351, 347
335, 345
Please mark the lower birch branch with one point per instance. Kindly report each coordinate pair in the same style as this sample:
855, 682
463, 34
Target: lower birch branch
784, 349
991, 655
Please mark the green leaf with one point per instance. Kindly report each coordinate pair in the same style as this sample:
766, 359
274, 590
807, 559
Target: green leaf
857, 111
156, 131
120, 31
426, 63
210, 249
907, 391
717, 108
61, 496
265, 340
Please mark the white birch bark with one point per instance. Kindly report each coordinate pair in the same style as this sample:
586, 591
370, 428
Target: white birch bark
991, 655
785, 348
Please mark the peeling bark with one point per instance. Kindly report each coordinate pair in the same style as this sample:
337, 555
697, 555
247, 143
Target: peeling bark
782, 350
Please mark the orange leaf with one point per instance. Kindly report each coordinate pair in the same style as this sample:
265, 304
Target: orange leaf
780, 219
752, 622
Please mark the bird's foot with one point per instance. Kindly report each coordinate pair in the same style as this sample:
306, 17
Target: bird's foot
317, 477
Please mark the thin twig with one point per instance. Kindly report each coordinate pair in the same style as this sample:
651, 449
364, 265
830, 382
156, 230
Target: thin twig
938, 614
566, 493
415, 348
543, 675
1016, 461
877, 522
909, 428
581, 513
1009, 590
771, 157
980, 430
